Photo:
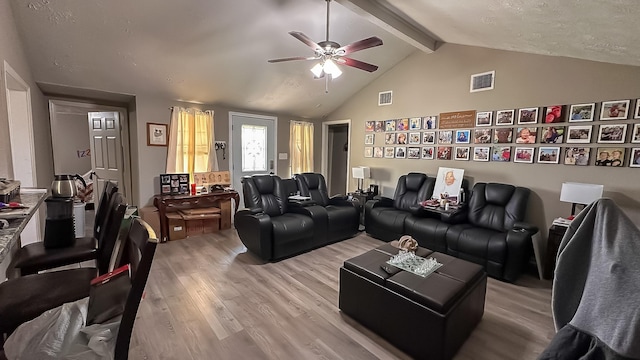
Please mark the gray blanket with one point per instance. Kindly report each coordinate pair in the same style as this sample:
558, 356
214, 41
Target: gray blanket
596, 287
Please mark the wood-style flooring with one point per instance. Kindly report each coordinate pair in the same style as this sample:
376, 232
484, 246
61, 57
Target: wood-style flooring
208, 298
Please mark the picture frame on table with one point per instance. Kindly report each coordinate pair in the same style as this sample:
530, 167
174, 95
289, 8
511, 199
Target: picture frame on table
548, 154
582, 112
614, 110
610, 156
579, 134
369, 139
612, 134
635, 134
174, 184
528, 116
483, 118
481, 153
504, 117
427, 152
524, 155
578, 156
461, 153
634, 158
157, 134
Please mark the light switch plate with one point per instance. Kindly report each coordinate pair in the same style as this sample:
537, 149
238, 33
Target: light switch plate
283, 156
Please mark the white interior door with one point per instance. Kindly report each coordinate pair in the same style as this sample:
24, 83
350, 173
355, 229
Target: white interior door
253, 146
106, 150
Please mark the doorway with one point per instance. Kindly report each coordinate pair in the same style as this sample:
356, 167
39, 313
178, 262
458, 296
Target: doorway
336, 152
253, 140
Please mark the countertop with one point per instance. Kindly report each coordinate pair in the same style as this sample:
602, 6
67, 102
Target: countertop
31, 198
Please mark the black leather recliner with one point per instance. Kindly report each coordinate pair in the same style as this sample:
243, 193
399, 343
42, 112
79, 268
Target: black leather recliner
384, 218
270, 227
494, 234
342, 217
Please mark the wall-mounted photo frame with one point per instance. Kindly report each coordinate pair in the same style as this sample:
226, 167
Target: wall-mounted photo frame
461, 153
413, 152
369, 139
427, 152
428, 137
157, 134
174, 184
401, 138
378, 152
482, 136
369, 126
582, 112
614, 110
501, 153
635, 134
402, 124
554, 114
524, 155
379, 126
612, 134
526, 135
502, 136
414, 138
481, 153
636, 114
548, 155
484, 118
415, 123
610, 156
579, 134
430, 122
578, 156
552, 135
389, 152
504, 117
401, 152
444, 152
463, 136
368, 151
528, 116
445, 137
390, 125
390, 138
634, 158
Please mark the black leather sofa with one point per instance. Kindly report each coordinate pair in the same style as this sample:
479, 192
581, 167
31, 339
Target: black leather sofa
489, 231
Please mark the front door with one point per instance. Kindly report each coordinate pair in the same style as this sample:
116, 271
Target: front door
106, 151
253, 146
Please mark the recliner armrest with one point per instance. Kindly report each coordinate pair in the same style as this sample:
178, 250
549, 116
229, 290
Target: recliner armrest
384, 201
254, 211
301, 203
341, 201
524, 226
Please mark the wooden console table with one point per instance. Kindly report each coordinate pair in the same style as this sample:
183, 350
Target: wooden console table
219, 199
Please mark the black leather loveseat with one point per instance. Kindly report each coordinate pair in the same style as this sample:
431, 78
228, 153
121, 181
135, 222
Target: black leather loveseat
490, 231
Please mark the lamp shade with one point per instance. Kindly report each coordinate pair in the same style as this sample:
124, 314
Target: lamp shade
361, 172
579, 193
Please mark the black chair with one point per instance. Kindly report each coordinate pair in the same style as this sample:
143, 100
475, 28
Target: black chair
35, 257
343, 218
495, 234
26, 297
384, 218
268, 227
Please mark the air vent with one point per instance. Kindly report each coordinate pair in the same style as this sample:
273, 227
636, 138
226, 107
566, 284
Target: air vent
385, 98
483, 81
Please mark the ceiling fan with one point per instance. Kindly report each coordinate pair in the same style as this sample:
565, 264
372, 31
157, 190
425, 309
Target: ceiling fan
330, 53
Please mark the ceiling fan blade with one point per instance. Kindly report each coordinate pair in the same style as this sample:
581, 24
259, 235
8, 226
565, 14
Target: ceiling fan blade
359, 45
305, 39
357, 64
292, 58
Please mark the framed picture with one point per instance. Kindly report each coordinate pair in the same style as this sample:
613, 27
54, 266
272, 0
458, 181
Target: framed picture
428, 137
401, 152
548, 155
504, 117
401, 138
389, 152
414, 138
389, 138
636, 114
429, 122
582, 112
528, 116
577, 156
524, 155
369, 125
368, 151
378, 152
427, 152
462, 153
444, 152
402, 124
483, 118
501, 153
379, 126
554, 114
390, 125
174, 184
634, 158
482, 136
635, 134
612, 134
415, 123
481, 153
552, 135
445, 137
502, 136
579, 134
527, 135
614, 110
413, 153
462, 136
610, 156
369, 139
157, 134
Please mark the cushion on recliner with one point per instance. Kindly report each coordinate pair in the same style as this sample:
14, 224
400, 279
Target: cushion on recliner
391, 220
290, 227
265, 192
412, 189
497, 206
314, 185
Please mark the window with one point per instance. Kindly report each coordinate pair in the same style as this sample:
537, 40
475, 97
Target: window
191, 139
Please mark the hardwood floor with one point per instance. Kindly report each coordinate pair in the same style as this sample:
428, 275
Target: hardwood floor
207, 298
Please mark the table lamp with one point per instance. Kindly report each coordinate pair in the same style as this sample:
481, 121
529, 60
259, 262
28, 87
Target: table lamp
578, 193
361, 173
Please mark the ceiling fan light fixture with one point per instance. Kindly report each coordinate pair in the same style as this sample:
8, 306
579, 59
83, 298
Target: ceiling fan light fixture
332, 69
317, 70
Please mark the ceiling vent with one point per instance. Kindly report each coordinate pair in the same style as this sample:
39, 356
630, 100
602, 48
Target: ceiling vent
385, 98
483, 81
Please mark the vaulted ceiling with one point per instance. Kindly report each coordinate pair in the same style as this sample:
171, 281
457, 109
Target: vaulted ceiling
216, 52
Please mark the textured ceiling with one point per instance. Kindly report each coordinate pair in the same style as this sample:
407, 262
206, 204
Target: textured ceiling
216, 52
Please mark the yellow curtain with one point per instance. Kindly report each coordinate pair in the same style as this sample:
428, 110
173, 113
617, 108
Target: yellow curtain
191, 141
301, 147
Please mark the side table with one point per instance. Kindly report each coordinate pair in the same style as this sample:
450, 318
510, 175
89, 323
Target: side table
556, 232
359, 199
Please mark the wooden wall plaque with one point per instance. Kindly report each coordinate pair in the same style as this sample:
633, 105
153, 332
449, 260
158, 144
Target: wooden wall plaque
457, 120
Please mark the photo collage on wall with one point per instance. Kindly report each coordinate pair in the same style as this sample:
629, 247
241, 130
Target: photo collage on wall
597, 133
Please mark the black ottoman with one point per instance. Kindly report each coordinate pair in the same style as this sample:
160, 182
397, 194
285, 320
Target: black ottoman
426, 317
